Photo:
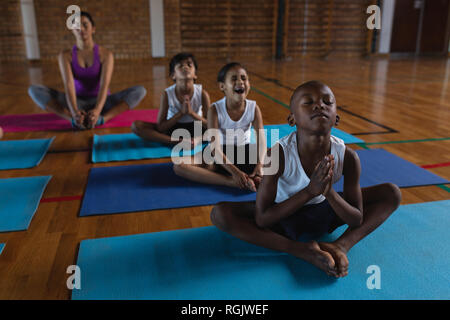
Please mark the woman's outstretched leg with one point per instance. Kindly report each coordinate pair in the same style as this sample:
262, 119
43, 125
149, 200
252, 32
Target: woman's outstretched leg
122, 101
50, 100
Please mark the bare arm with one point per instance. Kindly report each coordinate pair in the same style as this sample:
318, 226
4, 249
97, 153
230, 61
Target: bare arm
260, 138
68, 81
105, 80
163, 123
205, 106
349, 208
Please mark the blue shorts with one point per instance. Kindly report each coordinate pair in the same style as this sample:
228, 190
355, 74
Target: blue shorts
313, 219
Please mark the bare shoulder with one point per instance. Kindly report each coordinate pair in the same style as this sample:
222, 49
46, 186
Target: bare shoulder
257, 118
350, 154
105, 53
164, 100
205, 93
275, 164
257, 107
351, 160
212, 110
65, 55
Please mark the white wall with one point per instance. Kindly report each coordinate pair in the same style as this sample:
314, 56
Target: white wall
387, 18
157, 28
30, 29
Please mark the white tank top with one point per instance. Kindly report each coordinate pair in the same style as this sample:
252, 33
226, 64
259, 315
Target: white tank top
294, 178
175, 106
229, 128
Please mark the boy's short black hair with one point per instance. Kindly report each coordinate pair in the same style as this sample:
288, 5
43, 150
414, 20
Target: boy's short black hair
87, 15
307, 84
180, 57
223, 72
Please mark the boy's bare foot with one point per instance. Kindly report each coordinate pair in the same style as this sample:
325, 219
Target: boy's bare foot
339, 255
312, 253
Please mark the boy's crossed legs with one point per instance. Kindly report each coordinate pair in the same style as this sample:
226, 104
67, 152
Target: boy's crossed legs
238, 219
196, 169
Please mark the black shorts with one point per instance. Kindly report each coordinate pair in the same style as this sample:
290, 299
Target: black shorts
245, 167
189, 126
315, 219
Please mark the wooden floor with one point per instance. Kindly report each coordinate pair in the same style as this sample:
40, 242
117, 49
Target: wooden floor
380, 100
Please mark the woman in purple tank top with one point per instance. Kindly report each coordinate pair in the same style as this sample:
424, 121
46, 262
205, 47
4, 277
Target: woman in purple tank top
86, 71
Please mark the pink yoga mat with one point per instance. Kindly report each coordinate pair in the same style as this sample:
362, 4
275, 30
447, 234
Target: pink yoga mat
49, 121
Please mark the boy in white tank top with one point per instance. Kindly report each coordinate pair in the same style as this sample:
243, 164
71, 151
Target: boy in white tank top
233, 117
299, 198
182, 104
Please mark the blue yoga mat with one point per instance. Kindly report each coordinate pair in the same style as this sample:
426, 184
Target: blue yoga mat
285, 129
2, 245
19, 199
205, 263
21, 154
148, 187
155, 186
128, 146
379, 166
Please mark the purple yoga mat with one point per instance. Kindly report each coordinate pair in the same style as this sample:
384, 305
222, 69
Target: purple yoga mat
49, 121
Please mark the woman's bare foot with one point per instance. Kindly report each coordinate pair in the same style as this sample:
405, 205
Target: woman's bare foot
339, 255
312, 253
1, 132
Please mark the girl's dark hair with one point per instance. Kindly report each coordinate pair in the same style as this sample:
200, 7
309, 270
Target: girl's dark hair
87, 15
181, 57
223, 72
